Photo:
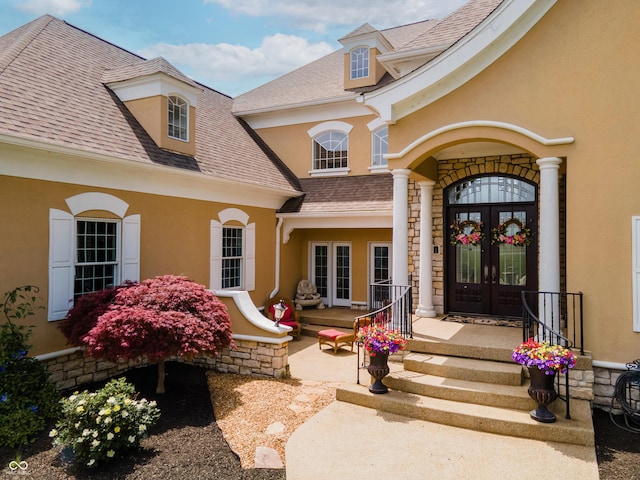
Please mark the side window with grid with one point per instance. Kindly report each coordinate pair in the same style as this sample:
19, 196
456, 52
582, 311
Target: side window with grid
97, 256
359, 63
232, 257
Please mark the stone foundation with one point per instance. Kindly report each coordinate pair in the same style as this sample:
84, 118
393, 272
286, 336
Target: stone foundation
604, 390
71, 370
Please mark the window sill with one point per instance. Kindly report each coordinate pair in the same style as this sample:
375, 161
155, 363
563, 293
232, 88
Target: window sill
330, 172
379, 169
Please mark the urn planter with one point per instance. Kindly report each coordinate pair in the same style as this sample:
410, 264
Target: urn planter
378, 368
542, 390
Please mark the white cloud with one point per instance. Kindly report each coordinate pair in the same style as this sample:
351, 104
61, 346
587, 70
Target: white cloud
58, 8
318, 16
212, 64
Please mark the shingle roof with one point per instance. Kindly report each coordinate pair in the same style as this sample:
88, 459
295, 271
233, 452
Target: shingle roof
349, 194
323, 79
454, 26
146, 67
51, 77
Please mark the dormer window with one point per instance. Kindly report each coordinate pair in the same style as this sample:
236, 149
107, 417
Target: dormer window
178, 118
359, 63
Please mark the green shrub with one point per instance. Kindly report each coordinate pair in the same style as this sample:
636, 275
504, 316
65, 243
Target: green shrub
27, 398
97, 426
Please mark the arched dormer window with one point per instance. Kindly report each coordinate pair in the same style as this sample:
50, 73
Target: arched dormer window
178, 118
359, 59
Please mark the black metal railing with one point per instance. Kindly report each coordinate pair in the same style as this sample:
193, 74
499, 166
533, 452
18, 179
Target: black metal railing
390, 305
556, 318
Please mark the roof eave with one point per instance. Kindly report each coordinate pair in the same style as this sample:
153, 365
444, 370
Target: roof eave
489, 40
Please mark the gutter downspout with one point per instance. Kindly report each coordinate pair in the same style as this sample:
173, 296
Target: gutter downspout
278, 230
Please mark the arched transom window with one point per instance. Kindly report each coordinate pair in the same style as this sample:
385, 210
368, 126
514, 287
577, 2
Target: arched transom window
491, 189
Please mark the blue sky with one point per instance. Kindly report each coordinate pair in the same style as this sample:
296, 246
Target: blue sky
230, 45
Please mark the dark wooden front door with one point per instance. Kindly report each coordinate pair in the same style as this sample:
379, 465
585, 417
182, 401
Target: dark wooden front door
486, 272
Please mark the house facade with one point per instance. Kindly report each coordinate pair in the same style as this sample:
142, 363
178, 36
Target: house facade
473, 157
507, 118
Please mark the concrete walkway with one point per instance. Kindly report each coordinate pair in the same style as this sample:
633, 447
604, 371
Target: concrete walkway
350, 441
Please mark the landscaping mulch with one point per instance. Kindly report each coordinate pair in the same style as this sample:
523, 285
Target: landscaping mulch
188, 444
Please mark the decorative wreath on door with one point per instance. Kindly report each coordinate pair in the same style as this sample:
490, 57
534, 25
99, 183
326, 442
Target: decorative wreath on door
520, 237
466, 232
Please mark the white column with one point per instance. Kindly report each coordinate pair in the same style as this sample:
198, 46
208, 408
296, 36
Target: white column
425, 285
549, 234
400, 273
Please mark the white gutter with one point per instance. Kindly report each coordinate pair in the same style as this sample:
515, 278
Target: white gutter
610, 365
278, 230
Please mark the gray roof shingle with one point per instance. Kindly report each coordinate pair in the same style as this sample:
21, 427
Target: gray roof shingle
51, 76
349, 194
323, 80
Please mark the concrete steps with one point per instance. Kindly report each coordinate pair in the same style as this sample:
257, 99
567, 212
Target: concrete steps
463, 376
484, 418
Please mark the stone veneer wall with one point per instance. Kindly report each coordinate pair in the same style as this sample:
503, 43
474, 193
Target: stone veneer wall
248, 358
604, 389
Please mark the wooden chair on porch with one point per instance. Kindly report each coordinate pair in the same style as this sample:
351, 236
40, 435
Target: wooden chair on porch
290, 318
337, 338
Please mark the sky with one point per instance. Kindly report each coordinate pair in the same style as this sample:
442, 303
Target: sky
232, 46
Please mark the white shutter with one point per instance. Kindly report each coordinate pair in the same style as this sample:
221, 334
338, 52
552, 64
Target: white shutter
215, 256
635, 260
250, 258
131, 248
61, 250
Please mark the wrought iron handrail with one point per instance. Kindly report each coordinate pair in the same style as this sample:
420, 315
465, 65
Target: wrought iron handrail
554, 317
391, 305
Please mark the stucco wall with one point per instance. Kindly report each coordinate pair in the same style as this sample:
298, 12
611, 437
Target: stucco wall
569, 76
175, 239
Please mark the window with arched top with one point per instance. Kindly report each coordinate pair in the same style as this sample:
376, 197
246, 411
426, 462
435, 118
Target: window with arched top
330, 150
380, 146
491, 189
359, 59
178, 118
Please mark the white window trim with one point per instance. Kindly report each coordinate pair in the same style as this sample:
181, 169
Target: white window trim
188, 109
319, 129
62, 247
215, 251
635, 261
351, 52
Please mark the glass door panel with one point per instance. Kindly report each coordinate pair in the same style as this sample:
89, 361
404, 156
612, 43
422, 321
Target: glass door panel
342, 262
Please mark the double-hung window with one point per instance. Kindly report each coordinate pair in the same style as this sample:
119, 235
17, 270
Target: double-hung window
178, 118
232, 257
359, 63
97, 257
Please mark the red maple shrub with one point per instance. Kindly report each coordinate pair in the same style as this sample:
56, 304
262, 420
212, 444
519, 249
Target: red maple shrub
85, 313
157, 318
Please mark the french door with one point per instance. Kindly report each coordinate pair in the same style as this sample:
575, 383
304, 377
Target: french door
491, 257
330, 271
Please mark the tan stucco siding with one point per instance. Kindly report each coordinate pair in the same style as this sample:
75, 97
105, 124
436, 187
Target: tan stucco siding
571, 75
296, 269
174, 239
295, 147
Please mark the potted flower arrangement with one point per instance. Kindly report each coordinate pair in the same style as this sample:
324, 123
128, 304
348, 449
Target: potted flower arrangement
380, 342
543, 361
543, 356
